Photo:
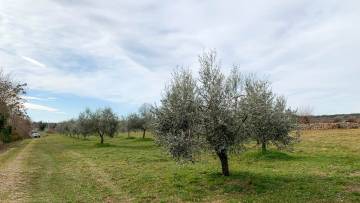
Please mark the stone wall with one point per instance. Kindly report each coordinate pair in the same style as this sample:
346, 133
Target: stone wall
325, 126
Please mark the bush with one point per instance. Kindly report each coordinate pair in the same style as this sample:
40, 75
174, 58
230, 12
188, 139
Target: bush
351, 120
337, 120
5, 134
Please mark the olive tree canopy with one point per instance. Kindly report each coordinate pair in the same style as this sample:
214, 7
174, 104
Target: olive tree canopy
197, 117
105, 122
222, 117
269, 119
146, 117
177, 120
102, 122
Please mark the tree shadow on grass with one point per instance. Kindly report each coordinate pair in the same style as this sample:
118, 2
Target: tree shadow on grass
104, 145
130, 138
131, 147
271, 156
146, 139
255, 183
190, 186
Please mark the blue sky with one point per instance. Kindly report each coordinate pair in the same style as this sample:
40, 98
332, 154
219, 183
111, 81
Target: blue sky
78, 54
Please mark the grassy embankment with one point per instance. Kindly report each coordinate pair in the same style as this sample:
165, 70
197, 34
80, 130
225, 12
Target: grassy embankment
325, 167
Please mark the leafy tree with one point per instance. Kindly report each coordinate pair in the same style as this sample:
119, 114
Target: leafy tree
195, 118
146, 118
85, 123
5, 130
105, 122
122, 126
177, 119
269, 120
69, 128
42, 126
133, 123
102, 122
221, 113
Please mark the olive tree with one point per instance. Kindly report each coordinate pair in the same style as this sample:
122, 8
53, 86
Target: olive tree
198, 117
105, 122
133, 123
85, 123
222, 116
42, 126
146, 117
177, 119
269, 119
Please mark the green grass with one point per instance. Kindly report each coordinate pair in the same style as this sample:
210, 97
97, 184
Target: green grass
324, 167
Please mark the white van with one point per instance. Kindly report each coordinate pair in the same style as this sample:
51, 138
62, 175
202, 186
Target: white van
35, 135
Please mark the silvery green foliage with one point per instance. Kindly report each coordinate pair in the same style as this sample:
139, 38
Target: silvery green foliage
105, 122
146, 117
208, 115
69, 127
134, 122
102, 122
269, 120
222, 118
85, 123
177, 119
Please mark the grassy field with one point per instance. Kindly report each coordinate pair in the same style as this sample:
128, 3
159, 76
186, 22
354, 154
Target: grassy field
324, 167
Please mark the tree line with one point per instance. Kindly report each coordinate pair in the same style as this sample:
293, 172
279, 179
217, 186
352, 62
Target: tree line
104, 122
14, 122
212, 112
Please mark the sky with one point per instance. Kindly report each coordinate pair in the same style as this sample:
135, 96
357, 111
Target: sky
120, 54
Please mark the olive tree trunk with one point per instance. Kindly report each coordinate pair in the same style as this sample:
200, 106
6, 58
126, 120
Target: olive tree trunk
263, 146
102, 138
224, 162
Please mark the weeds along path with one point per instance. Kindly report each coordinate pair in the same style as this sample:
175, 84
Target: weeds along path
12, 174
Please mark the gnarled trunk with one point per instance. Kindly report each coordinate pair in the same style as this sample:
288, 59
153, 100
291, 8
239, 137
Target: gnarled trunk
224, 162
102, 138
263, 146
144, 131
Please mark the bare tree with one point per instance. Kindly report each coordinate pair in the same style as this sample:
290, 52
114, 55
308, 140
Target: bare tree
304, 114
13, 118
11, 94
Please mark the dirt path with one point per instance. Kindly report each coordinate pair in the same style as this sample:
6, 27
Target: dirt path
12, 178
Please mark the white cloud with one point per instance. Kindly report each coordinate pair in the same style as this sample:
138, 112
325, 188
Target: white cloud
38, 98
33, 61
32, 98
124, 51
39, 107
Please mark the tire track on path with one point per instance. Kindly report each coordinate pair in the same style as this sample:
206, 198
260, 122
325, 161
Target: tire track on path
12, 177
